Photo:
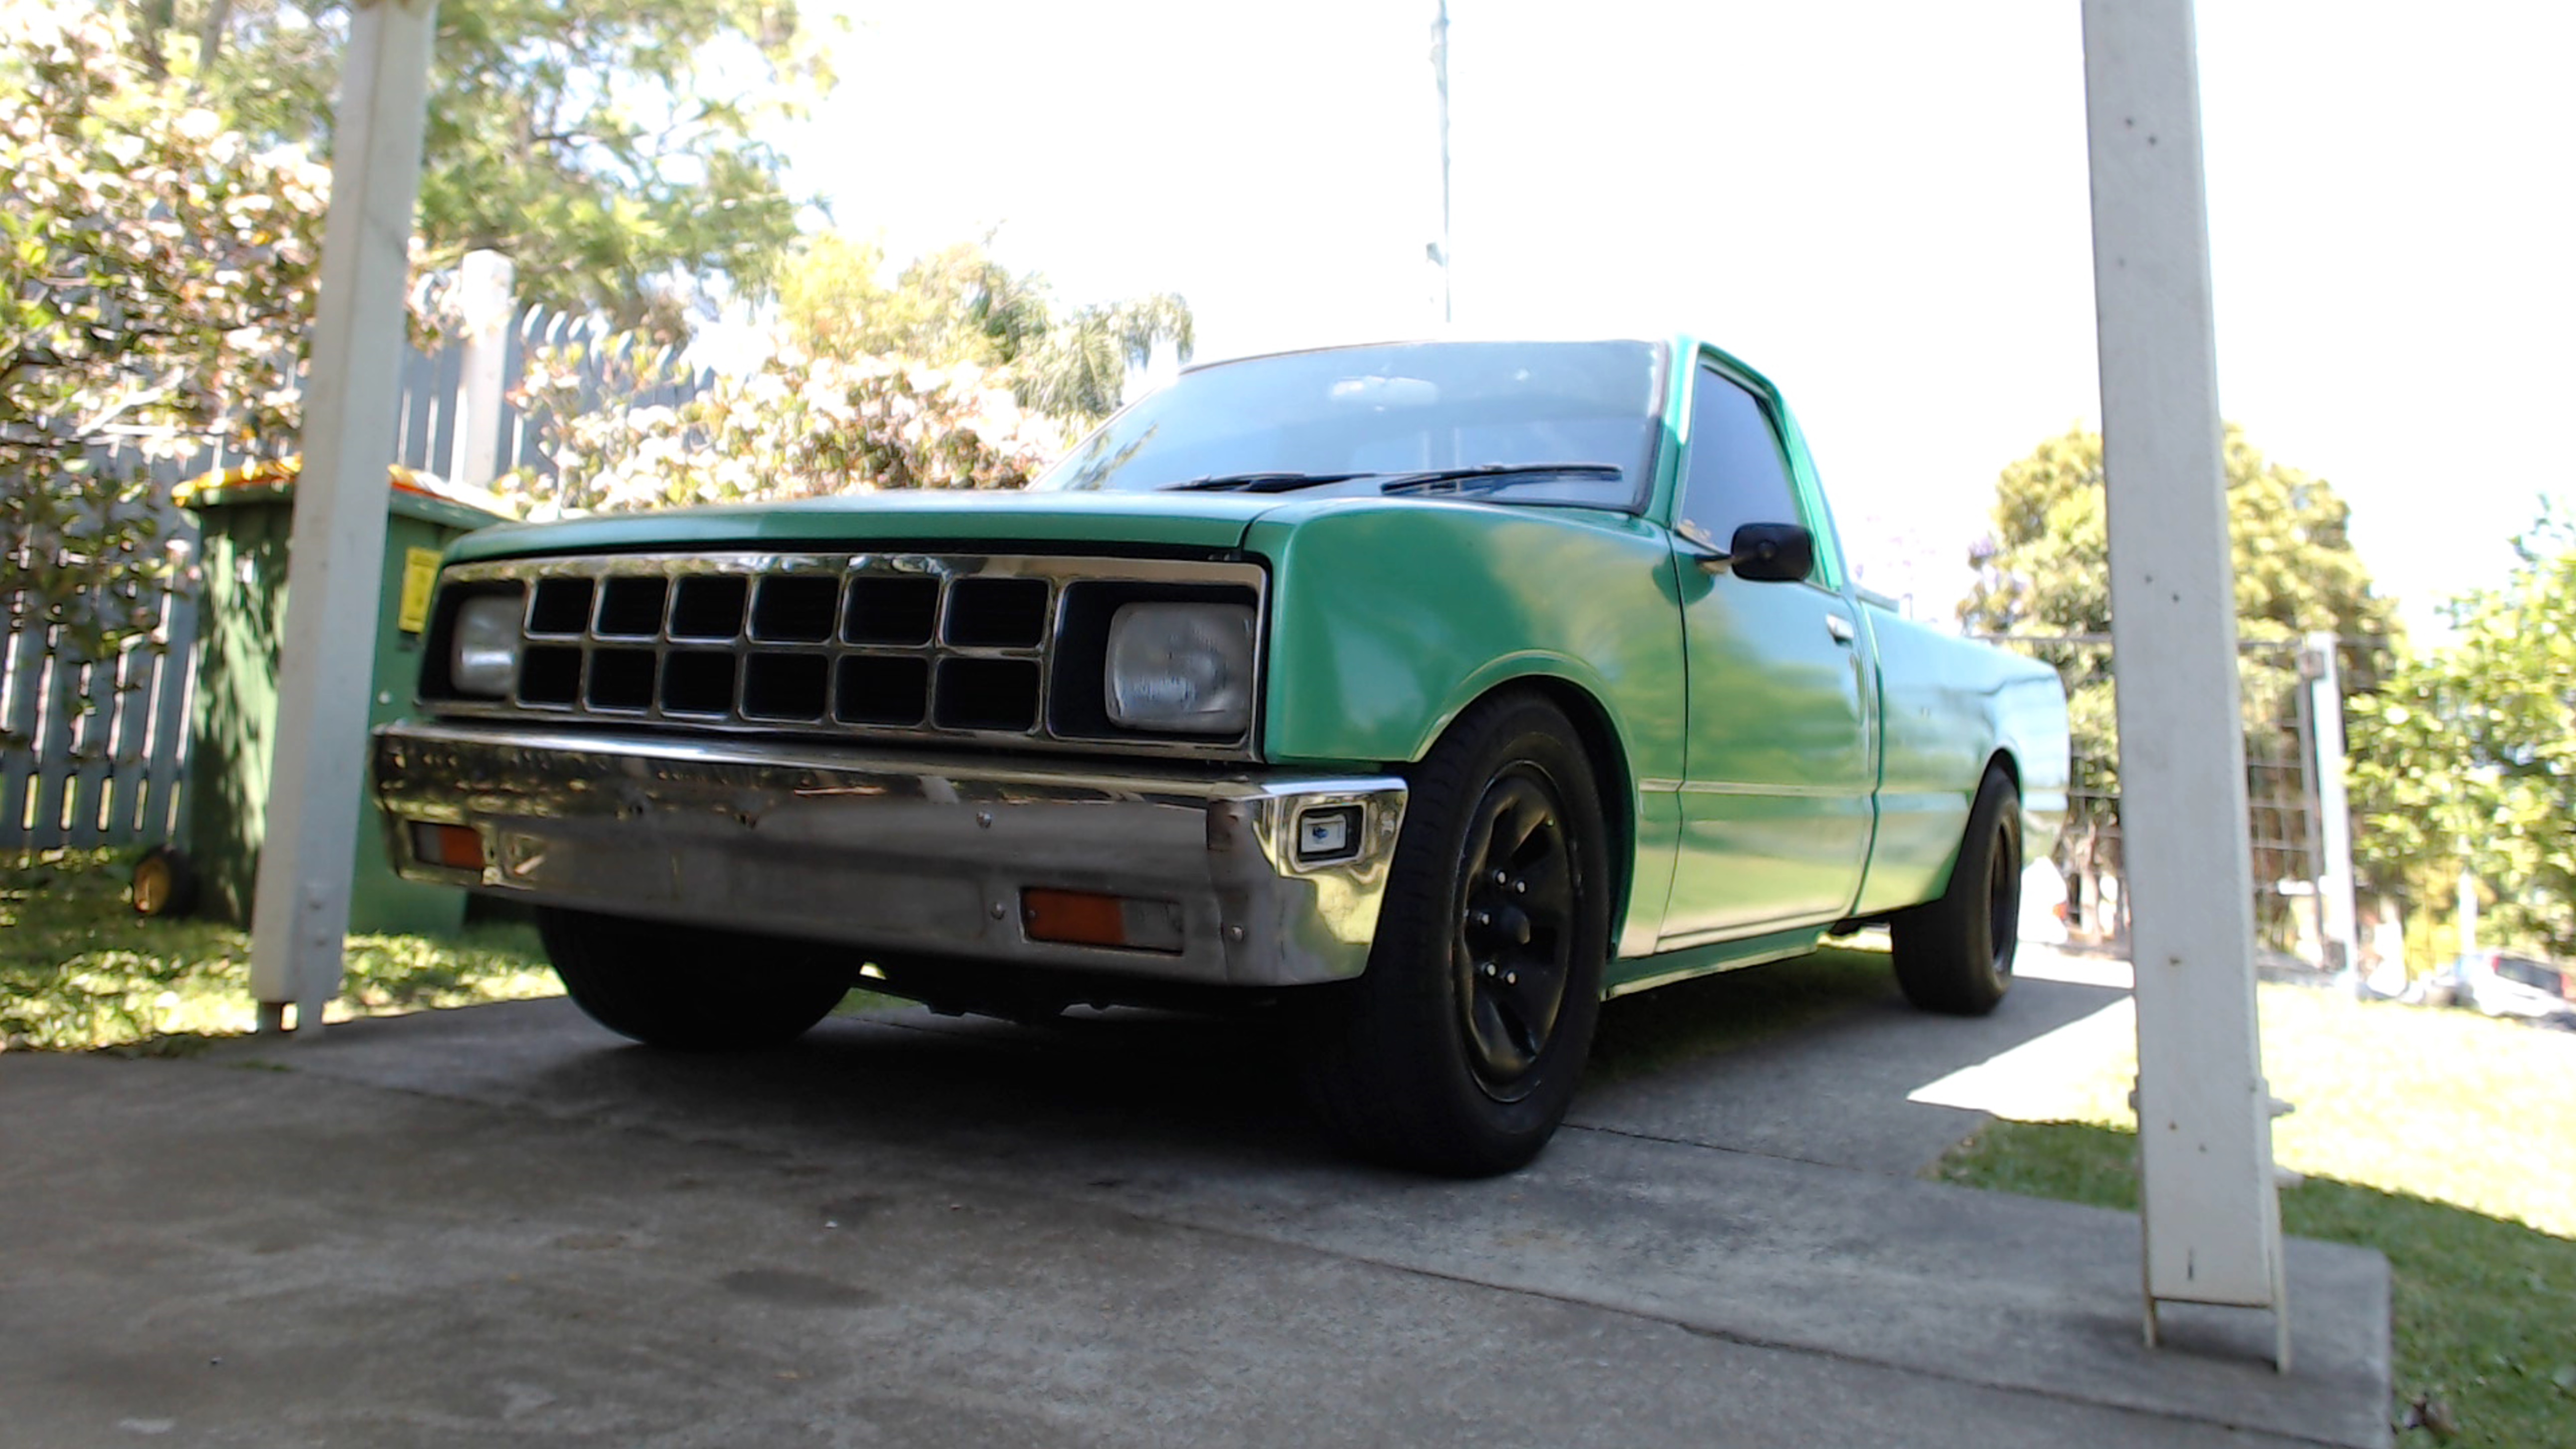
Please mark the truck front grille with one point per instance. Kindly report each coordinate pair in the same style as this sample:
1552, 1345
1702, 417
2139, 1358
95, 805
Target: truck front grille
959, 647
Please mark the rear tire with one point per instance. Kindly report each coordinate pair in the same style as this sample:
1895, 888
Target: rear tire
689, 987
1955, 954
1458, 1051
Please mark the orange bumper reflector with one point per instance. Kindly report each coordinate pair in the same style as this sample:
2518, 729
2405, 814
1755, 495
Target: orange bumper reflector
1077, 918
457, 847
1088, 918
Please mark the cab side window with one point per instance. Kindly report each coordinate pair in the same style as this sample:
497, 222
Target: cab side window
1738, 474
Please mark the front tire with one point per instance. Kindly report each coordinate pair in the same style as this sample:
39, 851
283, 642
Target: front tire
688, 987
1458, 1051
1955, 955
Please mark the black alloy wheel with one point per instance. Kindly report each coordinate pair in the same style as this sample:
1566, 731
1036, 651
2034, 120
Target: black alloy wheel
1955, 954
1514, 946
2003, 897
1459, 1049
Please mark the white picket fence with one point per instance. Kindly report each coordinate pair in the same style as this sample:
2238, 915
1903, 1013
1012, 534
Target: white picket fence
96, 755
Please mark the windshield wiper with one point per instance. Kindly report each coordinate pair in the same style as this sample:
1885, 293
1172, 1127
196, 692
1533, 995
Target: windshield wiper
1476, 476
1495, 475
1260, 482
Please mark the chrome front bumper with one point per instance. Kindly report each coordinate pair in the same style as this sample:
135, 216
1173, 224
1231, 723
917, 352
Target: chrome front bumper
902, 852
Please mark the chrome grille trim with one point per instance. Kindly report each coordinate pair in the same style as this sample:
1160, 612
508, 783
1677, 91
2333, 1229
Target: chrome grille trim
748, 651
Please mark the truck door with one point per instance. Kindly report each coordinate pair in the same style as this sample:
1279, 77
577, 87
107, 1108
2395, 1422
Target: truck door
1776, 800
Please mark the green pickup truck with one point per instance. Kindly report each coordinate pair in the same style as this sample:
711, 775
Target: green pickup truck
1420, 695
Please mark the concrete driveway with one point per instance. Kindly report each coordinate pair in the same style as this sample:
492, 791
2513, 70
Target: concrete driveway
504, 1226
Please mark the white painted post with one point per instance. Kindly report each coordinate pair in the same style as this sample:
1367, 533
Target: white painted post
2213, 1231
336, 562
1439, 252
485, 283
2334, 807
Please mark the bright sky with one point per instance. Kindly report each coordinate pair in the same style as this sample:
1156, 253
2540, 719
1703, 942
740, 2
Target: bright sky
1882, 205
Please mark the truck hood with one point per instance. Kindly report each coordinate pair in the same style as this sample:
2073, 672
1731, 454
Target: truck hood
1213, 521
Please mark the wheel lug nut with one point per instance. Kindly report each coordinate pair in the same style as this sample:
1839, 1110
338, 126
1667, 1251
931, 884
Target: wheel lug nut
1511, 978
1489, 968
1484, 918
1500, 877
1520, 887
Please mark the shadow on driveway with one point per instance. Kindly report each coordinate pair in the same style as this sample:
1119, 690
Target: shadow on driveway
1810, 1060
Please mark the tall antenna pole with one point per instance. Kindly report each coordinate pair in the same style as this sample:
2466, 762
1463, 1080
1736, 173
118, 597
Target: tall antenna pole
1440, 78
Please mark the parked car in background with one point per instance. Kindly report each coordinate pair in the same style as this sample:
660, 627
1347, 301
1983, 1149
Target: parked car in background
1424, 694
2500, 983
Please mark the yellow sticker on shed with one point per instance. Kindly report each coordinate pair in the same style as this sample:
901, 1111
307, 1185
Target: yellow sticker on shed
420, 576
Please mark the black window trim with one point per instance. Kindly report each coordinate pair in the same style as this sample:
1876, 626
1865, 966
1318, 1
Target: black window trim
1709, 360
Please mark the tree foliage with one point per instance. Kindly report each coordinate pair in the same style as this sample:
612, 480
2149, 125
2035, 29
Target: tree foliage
2046, 567
2045, 571
2467, 756
798, 427
611, 147
957, 373
157, 271
958, 305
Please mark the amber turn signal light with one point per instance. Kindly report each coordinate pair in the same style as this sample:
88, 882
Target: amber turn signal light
1088, 918
457, 847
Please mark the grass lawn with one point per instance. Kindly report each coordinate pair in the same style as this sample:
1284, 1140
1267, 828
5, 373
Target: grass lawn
79, 970
2445, 1140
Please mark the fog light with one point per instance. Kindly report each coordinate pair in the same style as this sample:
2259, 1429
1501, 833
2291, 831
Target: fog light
457, 847
1324, 836
1088, 918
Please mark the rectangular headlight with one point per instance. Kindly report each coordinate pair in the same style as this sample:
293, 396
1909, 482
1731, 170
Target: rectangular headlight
484, 659
1181, 668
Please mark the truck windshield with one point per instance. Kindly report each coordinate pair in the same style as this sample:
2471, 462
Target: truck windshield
1349, 419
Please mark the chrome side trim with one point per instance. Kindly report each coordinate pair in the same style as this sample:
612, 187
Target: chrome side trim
1730, 787
900, 852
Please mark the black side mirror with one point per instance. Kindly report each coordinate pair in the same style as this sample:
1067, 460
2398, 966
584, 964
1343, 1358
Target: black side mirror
1779, 553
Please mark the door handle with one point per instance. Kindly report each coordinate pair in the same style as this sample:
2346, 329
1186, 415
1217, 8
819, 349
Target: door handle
1839, 627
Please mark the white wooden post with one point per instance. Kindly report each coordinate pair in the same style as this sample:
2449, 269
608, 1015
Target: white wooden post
2334, 807
2213, 1231
336, 562
1440, 80
485, 283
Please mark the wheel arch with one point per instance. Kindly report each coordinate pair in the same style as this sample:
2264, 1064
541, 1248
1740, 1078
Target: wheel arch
1598, 735
2038, 831
2002, 759
1999, 758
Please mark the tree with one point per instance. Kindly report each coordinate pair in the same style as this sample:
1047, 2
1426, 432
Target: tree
2045, 571
156, 272
2467, 756
956, 374
798, 427
958, 305
611, 147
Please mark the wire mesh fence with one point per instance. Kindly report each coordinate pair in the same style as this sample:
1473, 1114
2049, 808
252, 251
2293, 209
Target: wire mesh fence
2283, 808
